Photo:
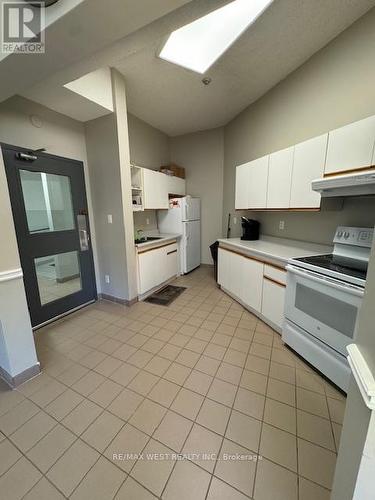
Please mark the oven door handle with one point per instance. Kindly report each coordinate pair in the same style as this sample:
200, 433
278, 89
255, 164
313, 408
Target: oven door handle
354, 290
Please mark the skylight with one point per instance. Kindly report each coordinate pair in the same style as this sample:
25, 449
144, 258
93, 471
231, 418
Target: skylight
199, 44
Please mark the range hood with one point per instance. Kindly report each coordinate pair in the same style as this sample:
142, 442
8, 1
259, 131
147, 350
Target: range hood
360, 184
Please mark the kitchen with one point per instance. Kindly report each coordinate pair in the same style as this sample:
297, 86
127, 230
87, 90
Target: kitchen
259, 363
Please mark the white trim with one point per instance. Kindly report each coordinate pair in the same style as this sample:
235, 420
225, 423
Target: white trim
11, 274
362, 374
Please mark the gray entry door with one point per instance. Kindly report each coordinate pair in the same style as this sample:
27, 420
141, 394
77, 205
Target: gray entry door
49, 207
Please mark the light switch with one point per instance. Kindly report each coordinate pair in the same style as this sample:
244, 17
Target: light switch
147, 222
106, 278
109, 217
234, 220
282, 225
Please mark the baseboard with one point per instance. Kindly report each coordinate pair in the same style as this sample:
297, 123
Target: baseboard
21, 378
117, 300
207, 265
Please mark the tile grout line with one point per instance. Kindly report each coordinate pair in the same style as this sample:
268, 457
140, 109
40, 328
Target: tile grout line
160, 377
194, 422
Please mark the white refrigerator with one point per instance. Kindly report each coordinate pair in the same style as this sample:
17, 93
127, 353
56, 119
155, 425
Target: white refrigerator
184, 217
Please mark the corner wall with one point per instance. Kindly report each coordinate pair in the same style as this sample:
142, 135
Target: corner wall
149, 147
108, 153
202, 156
335, 87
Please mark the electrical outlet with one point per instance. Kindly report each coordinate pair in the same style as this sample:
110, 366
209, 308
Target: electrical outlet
282, 225
106, 277
147, 221
234, 220
109, 217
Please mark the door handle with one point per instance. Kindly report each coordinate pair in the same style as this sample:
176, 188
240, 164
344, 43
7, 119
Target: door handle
324, 280
83, 234
83, 240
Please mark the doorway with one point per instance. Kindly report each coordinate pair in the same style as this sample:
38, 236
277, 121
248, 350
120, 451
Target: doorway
49, 205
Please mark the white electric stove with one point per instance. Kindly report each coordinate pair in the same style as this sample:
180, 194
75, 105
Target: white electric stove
323, 298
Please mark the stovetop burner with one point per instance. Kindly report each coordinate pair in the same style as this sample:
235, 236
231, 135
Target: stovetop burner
328, 262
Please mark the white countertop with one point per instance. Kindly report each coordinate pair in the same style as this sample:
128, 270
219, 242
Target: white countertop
164, 238
278, 250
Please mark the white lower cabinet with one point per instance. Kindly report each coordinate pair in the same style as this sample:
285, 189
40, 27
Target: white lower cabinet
242, 277
223, 268
273, 302
252, 282
171, 261
257, 285
156, 266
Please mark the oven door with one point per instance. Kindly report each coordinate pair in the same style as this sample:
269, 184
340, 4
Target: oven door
324, 307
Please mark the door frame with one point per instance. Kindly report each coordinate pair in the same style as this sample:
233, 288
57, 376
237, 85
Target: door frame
19, 211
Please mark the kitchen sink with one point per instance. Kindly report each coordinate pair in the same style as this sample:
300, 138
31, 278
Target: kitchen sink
145, 239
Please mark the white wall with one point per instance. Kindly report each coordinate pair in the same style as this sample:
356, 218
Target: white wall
201, 154
59, 134
149, 147
95, 86
17, 349
335, 87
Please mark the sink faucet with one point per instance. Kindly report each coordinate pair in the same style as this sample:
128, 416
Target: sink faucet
139, 234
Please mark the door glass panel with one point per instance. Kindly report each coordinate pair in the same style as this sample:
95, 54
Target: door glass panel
58, 276
48, 201
335, 313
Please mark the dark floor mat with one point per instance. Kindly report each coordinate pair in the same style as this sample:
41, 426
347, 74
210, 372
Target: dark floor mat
166, 295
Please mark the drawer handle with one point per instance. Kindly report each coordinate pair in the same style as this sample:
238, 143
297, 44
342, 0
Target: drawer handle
173, 251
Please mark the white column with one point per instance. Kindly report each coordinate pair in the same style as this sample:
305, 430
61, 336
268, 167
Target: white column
18, 360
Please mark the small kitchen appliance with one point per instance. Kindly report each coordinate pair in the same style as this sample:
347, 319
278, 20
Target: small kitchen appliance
250, 229
323, 299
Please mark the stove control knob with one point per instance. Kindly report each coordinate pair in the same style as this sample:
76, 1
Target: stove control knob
346, 235
339, 234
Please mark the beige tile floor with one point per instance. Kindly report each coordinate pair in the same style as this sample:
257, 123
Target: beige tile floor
202, 377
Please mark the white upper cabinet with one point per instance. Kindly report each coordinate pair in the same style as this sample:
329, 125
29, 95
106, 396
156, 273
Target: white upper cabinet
351, 147
257, 182
242, 187
155, 190
158, 186
251, 184
280, 178
175, 185
309, 159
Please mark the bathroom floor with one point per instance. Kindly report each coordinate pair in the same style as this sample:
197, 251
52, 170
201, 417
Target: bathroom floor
197, 400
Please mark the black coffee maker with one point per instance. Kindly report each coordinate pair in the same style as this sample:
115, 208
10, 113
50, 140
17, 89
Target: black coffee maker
250, 229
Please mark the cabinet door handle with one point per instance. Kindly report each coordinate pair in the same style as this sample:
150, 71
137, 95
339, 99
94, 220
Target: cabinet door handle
173, 251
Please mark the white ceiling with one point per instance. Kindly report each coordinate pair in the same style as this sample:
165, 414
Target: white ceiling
174, 99
75, 34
